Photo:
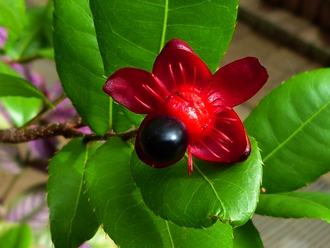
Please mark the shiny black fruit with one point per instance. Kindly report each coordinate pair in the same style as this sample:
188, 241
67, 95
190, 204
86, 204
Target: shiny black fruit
164, 138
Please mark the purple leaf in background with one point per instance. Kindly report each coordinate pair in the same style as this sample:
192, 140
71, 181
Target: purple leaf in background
86, 245
10, 159
85, 130
30, 208
4, 113
3, 36
40, 151
64, 111
25, 71
42, 148
55, 91
37, 80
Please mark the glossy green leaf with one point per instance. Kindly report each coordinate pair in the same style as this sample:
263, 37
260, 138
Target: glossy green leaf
72, 220
79, 63
15, 235
35, 34
247, 236
131, 33
212, 192
13, 15
295, 205
21, 110
119, 206
291, 126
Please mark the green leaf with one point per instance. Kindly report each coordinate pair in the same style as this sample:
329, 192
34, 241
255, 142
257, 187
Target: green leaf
21, 99
123, 119
119, 206
120, 121
21, 110
13, 15
291, 126
213, 191
17, 86
72, 220
35, 35
247, 236
79, 63
15, 235
6, 69
131, 33
47, 53
295, 205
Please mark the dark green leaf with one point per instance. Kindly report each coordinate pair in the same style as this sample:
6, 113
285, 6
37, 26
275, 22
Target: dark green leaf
79, 63
247, 236
120, 121
131, 33
291, 126
16, 86
213, 191
13, 15
21, 110
72, 220
119, 206
295, 205
135, 119
15, 236
35, 35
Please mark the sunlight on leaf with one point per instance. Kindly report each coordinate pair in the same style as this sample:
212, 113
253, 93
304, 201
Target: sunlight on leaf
15, 235
20, 109
13, 15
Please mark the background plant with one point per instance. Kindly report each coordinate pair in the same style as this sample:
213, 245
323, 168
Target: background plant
96, 178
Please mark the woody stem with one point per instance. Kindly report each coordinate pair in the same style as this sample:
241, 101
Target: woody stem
67, 129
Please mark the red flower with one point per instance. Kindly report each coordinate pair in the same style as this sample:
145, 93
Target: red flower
187, 107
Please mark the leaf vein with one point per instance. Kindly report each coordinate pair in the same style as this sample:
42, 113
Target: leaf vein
281, 145
212, 187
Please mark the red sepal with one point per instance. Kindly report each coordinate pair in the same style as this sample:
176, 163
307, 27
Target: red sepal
237, 82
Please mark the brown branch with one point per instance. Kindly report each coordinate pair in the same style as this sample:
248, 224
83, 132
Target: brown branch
67, 129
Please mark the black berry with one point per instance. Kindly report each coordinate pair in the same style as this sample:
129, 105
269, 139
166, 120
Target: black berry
164, 138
